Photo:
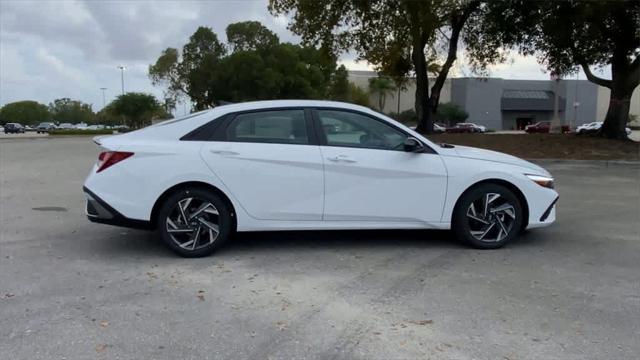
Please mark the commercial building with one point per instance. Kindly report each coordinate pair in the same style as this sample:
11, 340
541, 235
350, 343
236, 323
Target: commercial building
504, 104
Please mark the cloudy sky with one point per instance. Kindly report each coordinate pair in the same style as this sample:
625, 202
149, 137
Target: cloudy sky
54, 49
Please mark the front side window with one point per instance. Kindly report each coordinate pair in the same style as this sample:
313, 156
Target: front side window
349, 129
277, 126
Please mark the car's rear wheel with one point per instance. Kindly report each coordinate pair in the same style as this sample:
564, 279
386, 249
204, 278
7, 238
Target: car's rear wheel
487, 216
194, 222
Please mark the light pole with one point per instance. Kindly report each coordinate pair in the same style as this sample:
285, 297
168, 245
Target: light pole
104, 99
122, 69
556, 126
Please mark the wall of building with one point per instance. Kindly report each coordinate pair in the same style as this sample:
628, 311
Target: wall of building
404, 100
480, 97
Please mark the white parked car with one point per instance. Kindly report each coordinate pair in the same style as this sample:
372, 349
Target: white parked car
66, 126
595, 127
272, 165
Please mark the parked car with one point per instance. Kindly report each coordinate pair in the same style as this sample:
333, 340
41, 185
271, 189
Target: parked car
13, 128
45, 127
439, 128
66, 126
271, 165
594, 127
463, 128
543, 127
479, 128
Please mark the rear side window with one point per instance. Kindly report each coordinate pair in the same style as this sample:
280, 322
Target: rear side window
277, 126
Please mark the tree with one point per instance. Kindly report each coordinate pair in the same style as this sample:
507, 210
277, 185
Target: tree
66, 110
190, 73
567, 36
250, 35
394, 35
339, 87
451, 113
25, 112
259, 68
138, 109
381, 86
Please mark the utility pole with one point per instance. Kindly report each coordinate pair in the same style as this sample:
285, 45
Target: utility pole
104, 99
122, 69
556, 127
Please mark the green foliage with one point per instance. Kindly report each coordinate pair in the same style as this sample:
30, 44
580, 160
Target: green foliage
381, 86
25, 112
407, 117
66, 110
138, 109
191, 73
450, 113
357, 95
339, 88
259, 68
250, 35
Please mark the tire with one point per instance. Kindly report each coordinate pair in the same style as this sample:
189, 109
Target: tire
205, 212
494, 228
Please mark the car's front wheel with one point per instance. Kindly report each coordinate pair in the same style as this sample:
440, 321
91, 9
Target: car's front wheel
194, 222
487, 216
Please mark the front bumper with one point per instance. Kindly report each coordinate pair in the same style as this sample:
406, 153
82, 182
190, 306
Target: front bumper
98, 211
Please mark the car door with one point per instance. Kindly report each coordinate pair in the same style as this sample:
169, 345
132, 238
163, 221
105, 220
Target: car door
369, 176
271, 163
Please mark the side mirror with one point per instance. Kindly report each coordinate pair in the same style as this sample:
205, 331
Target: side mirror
412, 144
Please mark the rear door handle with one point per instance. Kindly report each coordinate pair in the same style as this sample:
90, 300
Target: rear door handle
224, 152
341, 158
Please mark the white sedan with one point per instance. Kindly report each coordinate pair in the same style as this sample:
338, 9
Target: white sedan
594, 127
307, 165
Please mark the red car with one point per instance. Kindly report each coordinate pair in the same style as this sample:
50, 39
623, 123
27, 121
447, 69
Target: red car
543, 127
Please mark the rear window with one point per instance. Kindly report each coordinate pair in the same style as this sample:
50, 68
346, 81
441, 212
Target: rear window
277, 126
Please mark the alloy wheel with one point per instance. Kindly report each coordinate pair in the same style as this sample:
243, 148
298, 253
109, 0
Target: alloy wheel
193, 223
491, 217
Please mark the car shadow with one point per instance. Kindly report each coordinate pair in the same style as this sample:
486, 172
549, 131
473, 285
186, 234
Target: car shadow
145, 244
340, 239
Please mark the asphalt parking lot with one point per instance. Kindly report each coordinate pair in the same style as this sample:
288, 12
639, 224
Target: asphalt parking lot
70, 289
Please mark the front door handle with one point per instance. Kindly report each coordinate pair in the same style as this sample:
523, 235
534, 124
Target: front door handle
341, 158
224, 152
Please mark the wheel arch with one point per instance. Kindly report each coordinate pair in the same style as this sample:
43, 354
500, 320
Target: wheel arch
516, 191
190, 184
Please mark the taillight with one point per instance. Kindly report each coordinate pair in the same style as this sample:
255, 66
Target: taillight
108, 158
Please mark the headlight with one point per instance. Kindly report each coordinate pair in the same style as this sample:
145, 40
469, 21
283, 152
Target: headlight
541, 180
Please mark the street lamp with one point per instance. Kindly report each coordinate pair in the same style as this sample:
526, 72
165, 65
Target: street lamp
104, 99
122, 69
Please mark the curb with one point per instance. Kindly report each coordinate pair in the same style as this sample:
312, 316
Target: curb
601, 163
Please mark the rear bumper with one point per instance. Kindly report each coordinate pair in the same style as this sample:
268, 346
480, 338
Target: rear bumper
98, 211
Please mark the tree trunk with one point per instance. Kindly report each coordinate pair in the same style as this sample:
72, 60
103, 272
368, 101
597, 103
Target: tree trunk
625, 77
618, 114
423, 112
457, 23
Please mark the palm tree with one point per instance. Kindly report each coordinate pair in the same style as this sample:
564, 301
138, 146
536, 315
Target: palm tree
381, 86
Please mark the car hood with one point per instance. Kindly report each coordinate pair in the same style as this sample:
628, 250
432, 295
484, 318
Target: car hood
495, 156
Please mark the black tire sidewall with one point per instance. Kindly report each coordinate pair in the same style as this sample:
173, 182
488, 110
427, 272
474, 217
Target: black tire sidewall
461, 225
225, 221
